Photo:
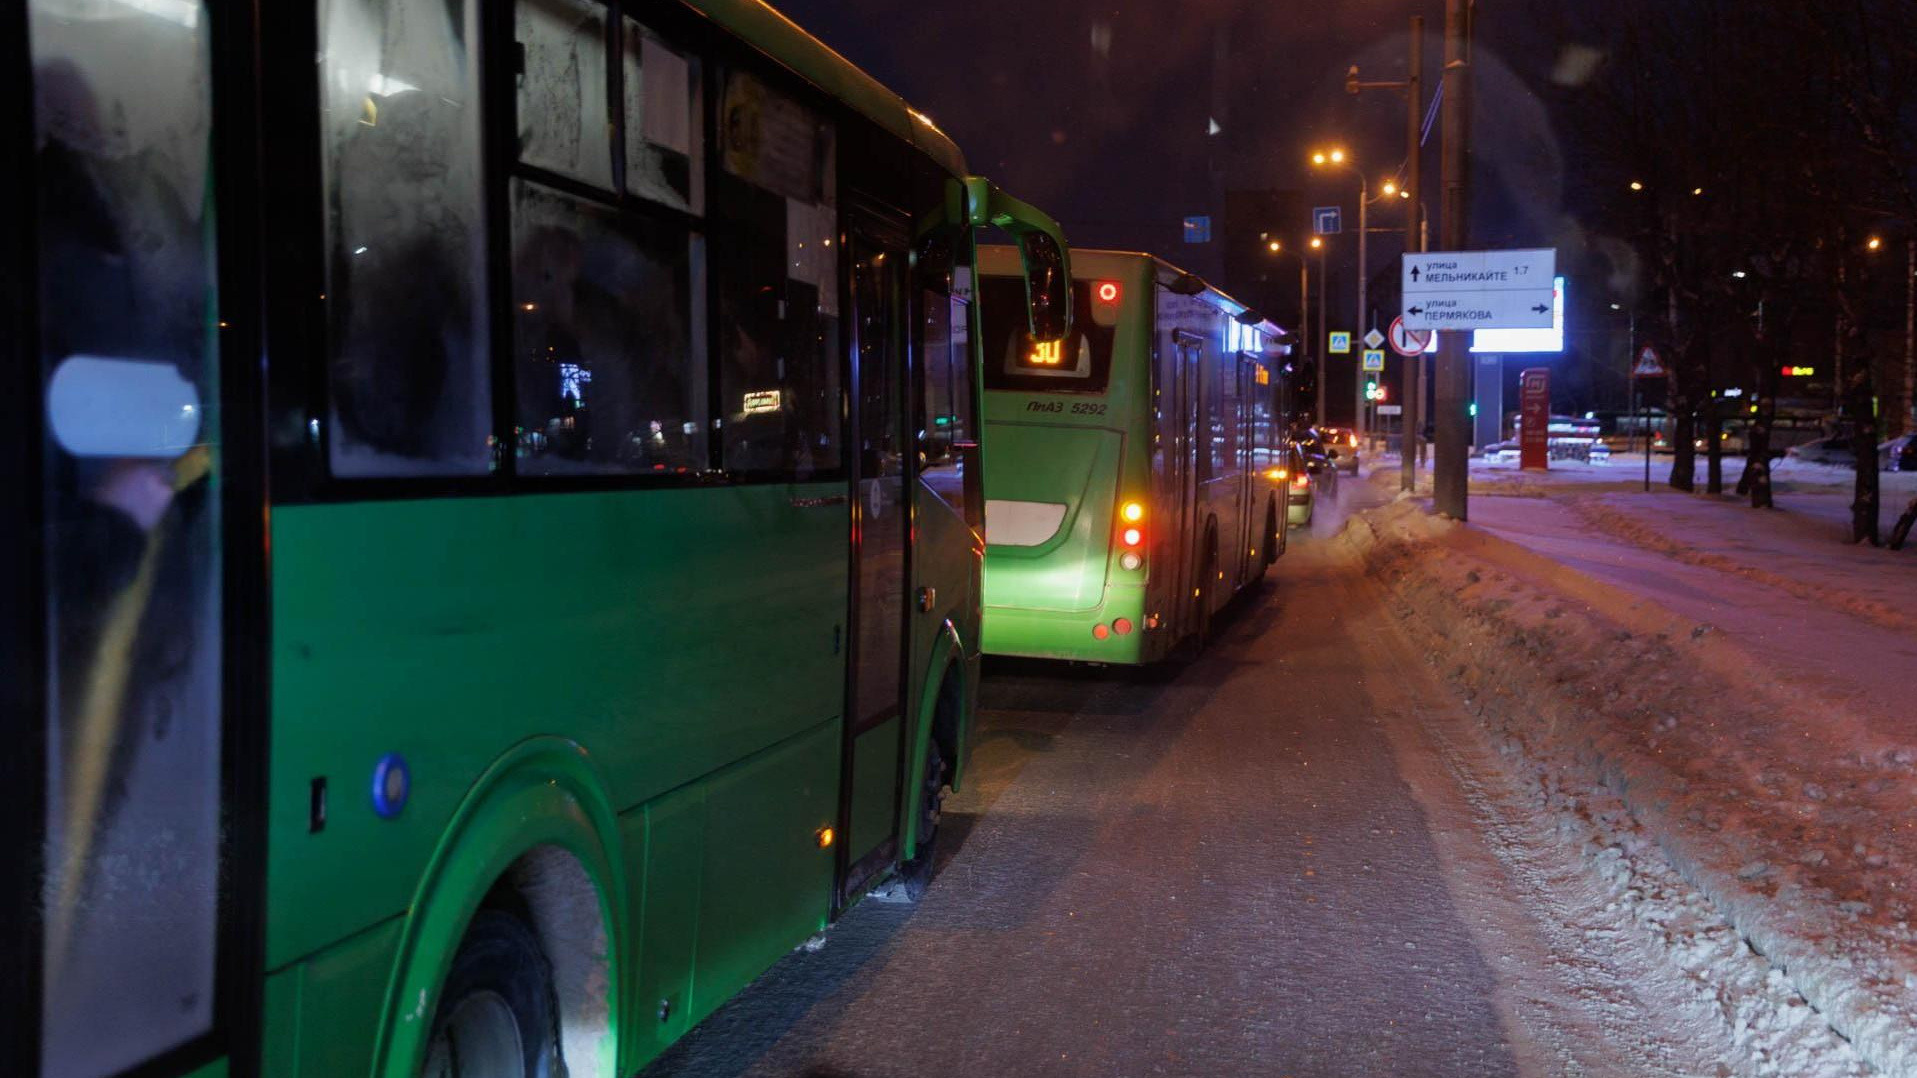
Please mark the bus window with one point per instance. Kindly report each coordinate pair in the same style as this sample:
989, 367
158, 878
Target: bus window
775, 264
665, 123
946, 407
1081, 363
132, 534
562, 90
407, 364
610, 376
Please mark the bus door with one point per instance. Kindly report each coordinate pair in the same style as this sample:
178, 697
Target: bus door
117, 931
1250, 511
881, 523
1192, 457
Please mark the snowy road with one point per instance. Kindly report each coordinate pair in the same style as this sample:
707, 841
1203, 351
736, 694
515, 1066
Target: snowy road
1296, 857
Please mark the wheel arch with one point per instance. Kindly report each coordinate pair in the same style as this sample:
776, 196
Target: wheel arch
946, 705
538, 821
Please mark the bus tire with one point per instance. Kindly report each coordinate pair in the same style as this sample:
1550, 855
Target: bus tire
496, 1013
1207, 587
1275, 536
916, 874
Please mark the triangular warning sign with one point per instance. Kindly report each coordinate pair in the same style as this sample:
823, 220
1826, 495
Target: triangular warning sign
1648, 364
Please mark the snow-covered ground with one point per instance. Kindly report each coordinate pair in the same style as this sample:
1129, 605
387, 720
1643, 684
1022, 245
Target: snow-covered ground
1718, 706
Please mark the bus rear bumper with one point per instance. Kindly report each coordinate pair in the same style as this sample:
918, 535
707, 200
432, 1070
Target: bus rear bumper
1113, 632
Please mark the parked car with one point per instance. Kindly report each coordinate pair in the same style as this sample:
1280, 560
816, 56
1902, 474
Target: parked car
1307, 473
1899, 454
1835, 450
1505, 452
1341, 446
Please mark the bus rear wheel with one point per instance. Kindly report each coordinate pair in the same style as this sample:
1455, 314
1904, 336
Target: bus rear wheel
496, 1014
917, 873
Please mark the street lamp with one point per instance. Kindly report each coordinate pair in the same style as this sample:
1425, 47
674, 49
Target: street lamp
1304, 296
1337, 158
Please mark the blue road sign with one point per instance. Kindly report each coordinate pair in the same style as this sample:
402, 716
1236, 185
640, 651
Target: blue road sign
1197, 230
1327, 220
1340, 343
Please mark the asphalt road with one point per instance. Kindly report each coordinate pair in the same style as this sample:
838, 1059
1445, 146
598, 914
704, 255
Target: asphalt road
1260, 865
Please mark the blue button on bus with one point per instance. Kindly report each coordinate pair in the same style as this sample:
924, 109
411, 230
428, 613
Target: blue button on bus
392, 782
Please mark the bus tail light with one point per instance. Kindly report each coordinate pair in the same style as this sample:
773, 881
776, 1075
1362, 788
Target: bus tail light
1132, 537
1122, 626
1130, 561
1133, 512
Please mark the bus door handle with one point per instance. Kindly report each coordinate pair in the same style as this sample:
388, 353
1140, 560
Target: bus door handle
928, 598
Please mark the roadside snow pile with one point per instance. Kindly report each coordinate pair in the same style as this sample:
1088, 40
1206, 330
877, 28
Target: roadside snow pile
1788, 806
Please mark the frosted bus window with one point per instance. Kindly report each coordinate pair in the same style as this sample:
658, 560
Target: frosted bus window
132, 535
776, 266
665, 121
405, 295
611, 375
562, 91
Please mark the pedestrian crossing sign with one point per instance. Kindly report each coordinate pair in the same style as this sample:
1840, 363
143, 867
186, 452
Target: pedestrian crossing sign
1374, 359
1340, 344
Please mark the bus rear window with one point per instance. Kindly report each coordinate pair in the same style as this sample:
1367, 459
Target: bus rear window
1081, 363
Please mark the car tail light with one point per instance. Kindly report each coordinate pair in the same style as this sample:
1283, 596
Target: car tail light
1301, 481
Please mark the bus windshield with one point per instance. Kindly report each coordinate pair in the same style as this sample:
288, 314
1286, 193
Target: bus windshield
1081, 363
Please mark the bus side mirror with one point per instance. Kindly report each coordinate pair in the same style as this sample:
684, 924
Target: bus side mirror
1041, 248
1048, 289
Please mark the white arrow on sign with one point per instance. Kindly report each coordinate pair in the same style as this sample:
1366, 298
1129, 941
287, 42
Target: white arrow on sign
1479, 289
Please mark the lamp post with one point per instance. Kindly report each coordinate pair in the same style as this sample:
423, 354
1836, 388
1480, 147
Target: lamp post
1338, 159
1318, 412
1411, 445
1277, 247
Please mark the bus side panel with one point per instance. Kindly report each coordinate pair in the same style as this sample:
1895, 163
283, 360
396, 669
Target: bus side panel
668, 632
320, 1012
767, 880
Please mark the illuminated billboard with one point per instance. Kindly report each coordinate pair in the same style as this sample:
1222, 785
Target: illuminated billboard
1527, 340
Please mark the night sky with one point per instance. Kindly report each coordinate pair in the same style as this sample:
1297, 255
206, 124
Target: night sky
1099, 113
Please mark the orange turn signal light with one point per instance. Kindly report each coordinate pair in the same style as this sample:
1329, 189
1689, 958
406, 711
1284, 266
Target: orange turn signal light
1132, 512
824, 837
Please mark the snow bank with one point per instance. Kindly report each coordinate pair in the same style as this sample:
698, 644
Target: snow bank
1786, 804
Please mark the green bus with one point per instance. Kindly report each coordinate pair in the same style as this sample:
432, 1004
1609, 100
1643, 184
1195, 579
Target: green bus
1136, 479
494, 523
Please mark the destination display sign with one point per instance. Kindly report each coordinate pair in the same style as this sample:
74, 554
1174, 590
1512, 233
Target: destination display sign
1478, 289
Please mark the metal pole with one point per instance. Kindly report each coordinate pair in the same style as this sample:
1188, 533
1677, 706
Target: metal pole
1907, 421
1358, 327
1304, 313
1324, 339
1410, 445
1451, 465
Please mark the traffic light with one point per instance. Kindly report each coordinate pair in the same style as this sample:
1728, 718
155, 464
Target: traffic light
1374, 389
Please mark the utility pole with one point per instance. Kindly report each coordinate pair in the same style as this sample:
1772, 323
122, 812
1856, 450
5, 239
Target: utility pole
1358, 327
1907, 420
1304, 315
1451, 464
1408, 445
1323, 342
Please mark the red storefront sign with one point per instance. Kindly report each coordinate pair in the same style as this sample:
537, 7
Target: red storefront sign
1534, 419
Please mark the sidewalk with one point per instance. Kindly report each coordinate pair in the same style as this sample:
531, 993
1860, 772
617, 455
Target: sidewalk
1743, 681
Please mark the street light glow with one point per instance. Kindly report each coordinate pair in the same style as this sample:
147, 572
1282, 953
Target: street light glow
1317, 158
1636, 186
1875, 242
1697, 190
1317, 242
1739, 274
1337, 157
1390, 188
1274, 246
